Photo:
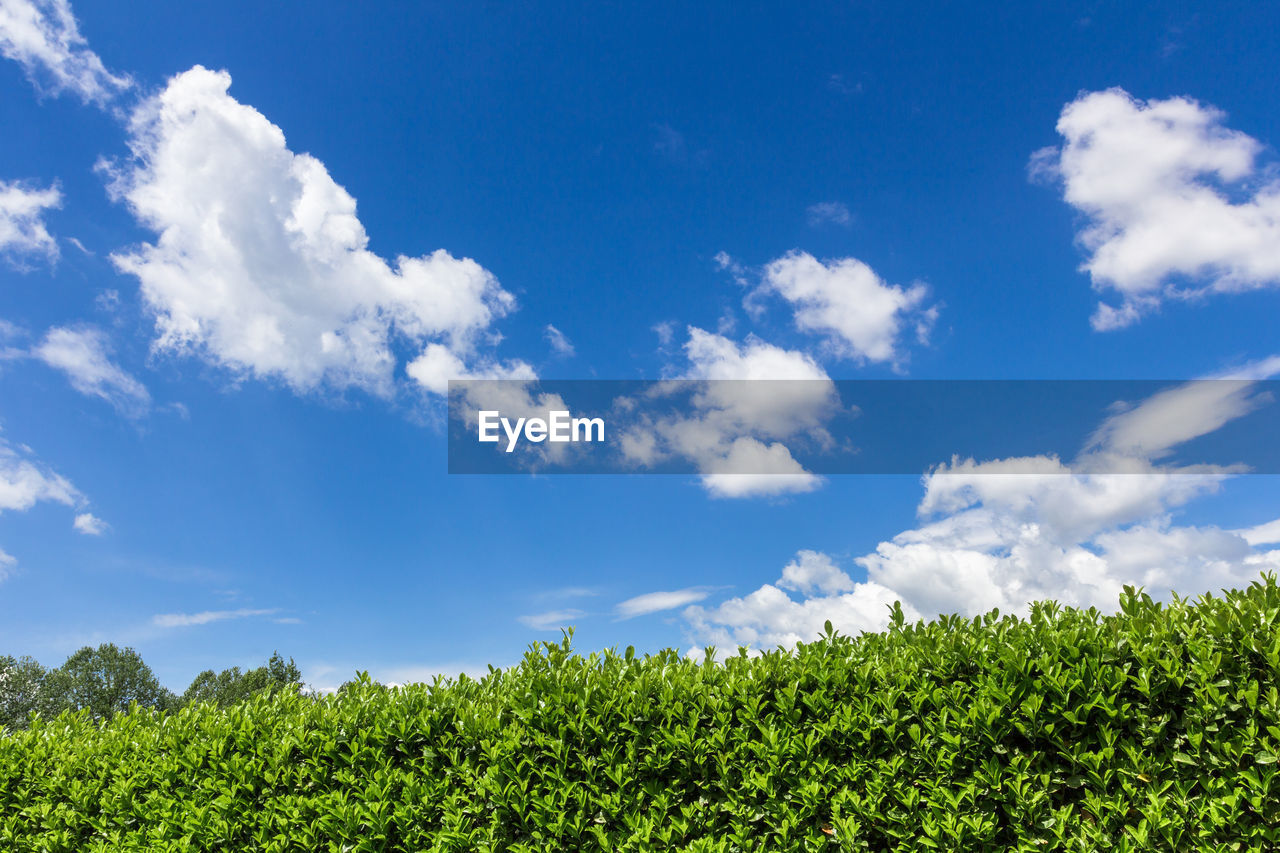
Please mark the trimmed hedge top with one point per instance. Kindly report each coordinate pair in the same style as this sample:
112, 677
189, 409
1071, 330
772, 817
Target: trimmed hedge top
1156, 728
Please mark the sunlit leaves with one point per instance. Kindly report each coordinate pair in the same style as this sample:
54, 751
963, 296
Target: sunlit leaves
1154, 729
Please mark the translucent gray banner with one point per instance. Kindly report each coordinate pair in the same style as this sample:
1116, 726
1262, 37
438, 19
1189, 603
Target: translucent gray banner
800, 428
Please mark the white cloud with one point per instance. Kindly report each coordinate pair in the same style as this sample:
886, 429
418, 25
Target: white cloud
24, 482
828, 211
1177, 206
1007, 532
769, 617
83, 354
184, 620
438, 364
1172, 417
23, 233
42, 36
571, 592
666, 331
733, 431
560, 344
551, 619
750, 468
655, 602
90, 525
726, 262
261, 265
1262, 534
714, 356
811, 572
861, 316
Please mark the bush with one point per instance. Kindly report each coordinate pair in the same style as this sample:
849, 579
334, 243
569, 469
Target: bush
1152, 729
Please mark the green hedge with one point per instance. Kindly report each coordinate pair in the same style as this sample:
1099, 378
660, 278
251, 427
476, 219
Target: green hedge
1153, 729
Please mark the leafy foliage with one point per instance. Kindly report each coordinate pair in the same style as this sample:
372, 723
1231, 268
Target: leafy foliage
21, 690
104, 681
231, 685
1157, 728
109, 680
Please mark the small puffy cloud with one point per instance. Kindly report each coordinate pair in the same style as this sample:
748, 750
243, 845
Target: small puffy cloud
714, 356
23, 233
834, 212
438, 364
861, 316
261, 265
24, 482
666, 332
734, 431
42, 37
83, 354
1176, 203
205, 617
552, 619
90, 525
655, 602
727, 263
812, 571
751, 468
560, 344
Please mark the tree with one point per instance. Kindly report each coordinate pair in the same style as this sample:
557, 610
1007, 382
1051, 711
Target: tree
22, 690
106, 681
231, 685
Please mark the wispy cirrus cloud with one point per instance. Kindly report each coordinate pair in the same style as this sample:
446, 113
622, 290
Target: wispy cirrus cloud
84, 355
206, 617
560, 343
23, 232
43, 37
656, 602
551, 619
824, 212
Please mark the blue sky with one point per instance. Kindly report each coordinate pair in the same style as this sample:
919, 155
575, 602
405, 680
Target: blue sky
759, 173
